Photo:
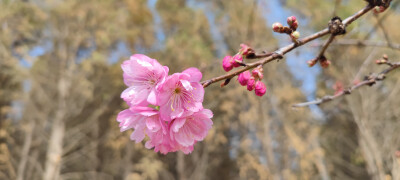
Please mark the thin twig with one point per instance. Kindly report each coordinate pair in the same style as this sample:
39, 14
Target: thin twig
282, 51
355, 42
325, 46
371, 80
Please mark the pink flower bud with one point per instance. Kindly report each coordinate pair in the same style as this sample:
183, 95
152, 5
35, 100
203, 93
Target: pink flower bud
244, 49
277, 27
260, 88
325, 63
258, 73
379, 9
312, 62
292, 22
227, 63
244, 77
236, 58
295, 35
251, 83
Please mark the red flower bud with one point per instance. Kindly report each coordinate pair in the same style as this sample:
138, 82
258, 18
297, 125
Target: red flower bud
292, 22
227, 63
312, 62
245, 49
260, 88
325, 63
277, 27
251, 83
237, 58
244, 77
379, 9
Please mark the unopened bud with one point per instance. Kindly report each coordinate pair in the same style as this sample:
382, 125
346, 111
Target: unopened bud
251, 83
227, 63
385, 57
245, 49
295, 35
237, 60
312, 62
277, 27
244, 77
379, 9
325, 63
381, 61
292, 22
260, 88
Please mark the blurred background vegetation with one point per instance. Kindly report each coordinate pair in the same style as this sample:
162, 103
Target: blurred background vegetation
60, 82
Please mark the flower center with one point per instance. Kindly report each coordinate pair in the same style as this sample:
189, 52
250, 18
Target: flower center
177, 90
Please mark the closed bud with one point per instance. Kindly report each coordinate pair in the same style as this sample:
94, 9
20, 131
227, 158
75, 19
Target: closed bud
260, 88
227, 63
251, 83
385, 57
245, 49
379, 9
292, 22
325, 63
237, 60
295, 35
244, 77
312, 62
277, 27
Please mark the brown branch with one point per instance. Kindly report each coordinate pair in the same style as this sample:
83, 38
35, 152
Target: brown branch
282, 51
325, 46
369, 81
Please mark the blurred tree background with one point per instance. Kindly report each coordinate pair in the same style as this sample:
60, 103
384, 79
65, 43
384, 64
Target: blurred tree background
60, 82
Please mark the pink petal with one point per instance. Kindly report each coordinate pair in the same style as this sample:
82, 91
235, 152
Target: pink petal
152, 99
153, 123
195, 74
177, 124
186, 84
198, 92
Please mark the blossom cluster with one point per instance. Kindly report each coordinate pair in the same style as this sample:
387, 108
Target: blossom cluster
291, 30
166, 109
251, 80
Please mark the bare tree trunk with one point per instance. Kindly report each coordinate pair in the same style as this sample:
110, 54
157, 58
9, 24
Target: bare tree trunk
55, 146
180, 166
25, 150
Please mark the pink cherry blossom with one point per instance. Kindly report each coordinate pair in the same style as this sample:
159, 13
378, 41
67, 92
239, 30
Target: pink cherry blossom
191, 127
131, 120
244, 77
260, 88
179, 93
142, 75
227, 63
143, 120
